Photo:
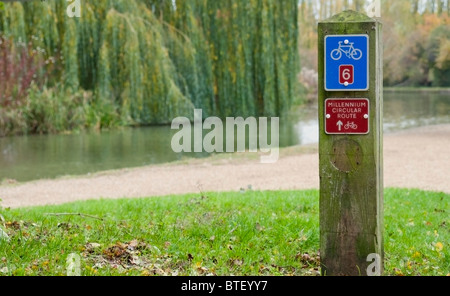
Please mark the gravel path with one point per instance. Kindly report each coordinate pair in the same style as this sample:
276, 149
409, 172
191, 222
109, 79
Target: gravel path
415, 158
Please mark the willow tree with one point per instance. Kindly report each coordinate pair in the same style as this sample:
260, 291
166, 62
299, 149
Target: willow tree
253, 53
139, 73
153, 60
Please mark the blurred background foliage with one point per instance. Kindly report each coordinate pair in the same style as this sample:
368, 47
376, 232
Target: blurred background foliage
136, 62
141, 62
416, 35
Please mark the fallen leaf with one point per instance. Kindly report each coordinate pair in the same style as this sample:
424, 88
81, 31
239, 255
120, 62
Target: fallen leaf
202, 270
439, 246
133, 244
135, 260
95, 245
90, 247
238, 262
309, 259
14, 224
416, 254
398, 272
66, 226
306, 257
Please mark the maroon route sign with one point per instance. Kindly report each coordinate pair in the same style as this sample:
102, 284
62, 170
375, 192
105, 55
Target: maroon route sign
347, 116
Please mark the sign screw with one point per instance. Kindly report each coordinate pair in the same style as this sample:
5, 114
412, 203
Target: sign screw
346, 41
328, 116
346, 83
366, 116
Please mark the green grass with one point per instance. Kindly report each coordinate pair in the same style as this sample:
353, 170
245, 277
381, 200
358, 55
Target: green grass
418, 89
251, 233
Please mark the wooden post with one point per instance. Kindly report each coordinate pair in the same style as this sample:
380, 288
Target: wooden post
351, 164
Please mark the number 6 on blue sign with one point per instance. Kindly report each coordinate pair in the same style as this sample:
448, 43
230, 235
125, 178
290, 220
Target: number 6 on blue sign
347, 63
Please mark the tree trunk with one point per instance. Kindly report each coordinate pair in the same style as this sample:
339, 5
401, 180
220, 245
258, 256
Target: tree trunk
359, 5
439, 7
431, 5
415, 7
346, 4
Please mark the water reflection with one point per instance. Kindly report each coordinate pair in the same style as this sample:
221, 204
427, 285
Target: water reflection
36, 157
408, 109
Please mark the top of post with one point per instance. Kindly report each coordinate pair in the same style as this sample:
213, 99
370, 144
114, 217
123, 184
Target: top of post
349, 16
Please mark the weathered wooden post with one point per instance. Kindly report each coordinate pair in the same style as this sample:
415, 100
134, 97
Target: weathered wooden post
350, 149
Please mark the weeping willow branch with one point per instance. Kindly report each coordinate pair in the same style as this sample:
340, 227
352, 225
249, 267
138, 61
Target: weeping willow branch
148, 61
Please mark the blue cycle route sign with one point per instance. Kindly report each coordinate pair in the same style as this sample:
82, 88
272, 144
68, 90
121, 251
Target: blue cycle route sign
347, 62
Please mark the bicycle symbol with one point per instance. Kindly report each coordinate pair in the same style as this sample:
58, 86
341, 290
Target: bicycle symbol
350, 125
348, 49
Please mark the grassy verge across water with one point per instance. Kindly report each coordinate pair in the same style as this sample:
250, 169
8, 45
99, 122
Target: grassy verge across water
418, 89
235, 233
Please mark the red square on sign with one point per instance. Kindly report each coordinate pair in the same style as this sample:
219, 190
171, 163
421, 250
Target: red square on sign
346, 74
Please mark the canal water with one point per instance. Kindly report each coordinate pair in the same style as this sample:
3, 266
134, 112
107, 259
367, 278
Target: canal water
26, 158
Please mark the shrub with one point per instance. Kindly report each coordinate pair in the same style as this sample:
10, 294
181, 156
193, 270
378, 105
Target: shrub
21, 65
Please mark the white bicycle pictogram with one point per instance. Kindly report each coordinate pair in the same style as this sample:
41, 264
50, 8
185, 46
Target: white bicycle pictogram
350, 51
350, 125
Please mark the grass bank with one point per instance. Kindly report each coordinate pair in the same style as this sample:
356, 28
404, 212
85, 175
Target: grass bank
418, 89
236, 233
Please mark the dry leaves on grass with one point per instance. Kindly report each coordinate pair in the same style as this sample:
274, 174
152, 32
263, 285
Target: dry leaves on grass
119, 255
310, 263
12, 228
16, 225
133, 255
67, 226
199, 270
308, 259
236, 262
